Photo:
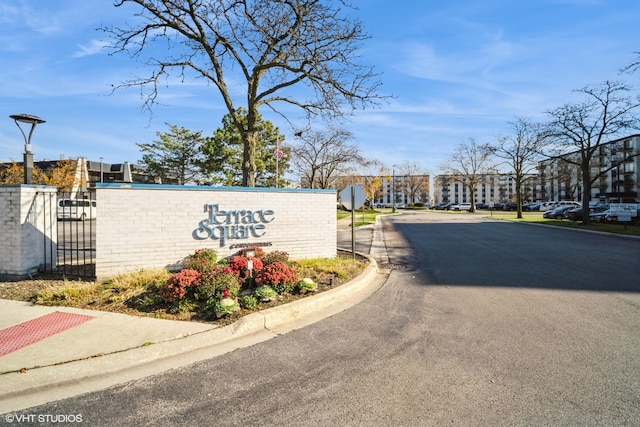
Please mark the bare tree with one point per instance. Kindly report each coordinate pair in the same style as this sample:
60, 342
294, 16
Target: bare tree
633, 66
372, 179
321, 156
582, 128
266, 46
521, 151
415, 179
469, 164
367, 173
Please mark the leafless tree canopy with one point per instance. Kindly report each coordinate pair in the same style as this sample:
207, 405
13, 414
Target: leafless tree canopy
521, 151
415, 180
267, 46
634, 66
608, 111
322, 156
468, 164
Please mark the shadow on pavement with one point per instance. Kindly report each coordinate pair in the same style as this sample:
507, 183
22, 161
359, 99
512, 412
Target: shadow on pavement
503, 254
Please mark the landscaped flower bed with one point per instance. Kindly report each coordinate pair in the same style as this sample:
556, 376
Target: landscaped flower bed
212, 287
206, 290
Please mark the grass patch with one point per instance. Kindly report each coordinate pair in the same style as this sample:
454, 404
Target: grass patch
340, 267
366, 218
126, 286
343, 214
71, 294
536, 217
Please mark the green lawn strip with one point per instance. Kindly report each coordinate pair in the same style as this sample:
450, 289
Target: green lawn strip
369, 217
536, 217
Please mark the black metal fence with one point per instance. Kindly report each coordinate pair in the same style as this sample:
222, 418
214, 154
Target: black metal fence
42, 216
76, 215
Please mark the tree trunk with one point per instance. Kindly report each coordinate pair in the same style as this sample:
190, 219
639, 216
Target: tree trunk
249, 159
586, 199
519, 198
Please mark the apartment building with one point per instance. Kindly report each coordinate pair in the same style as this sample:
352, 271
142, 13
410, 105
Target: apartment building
490, 189
615, 165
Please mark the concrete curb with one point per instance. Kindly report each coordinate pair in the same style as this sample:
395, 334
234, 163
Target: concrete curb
50, 383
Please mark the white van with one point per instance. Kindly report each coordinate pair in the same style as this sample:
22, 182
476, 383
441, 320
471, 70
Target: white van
77, 209
569, 203
547, 206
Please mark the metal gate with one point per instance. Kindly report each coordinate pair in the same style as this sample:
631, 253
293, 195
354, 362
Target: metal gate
76, 216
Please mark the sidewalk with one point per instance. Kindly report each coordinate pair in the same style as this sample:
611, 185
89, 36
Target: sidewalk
100, 349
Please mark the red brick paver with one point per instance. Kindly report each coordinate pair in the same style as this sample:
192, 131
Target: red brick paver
26, 333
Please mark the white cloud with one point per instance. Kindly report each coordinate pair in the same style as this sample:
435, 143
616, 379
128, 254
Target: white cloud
94, 47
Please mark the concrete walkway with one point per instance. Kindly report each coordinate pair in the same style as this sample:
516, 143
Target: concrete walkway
111, 348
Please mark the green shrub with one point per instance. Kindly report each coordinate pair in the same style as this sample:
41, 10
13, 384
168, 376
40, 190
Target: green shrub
208, 254
250, 302
265, 293
201, 261
222, 307
275, 256
307, 285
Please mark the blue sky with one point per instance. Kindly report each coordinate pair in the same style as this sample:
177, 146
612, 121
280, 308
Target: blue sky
458, 69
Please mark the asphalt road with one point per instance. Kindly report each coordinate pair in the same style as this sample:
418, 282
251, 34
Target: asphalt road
483, 323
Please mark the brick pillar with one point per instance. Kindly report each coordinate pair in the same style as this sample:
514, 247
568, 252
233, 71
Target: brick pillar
28, 226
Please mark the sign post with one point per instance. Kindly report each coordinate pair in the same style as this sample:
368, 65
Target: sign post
352, 197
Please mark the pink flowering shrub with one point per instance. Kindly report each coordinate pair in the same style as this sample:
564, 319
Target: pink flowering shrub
238, 265
279, 276
176, 287
216, 284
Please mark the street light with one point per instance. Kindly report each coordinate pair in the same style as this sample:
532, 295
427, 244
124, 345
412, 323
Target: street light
393, 189
28, 155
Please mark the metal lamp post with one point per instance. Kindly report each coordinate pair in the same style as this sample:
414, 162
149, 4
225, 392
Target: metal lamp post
393, 189
28, 155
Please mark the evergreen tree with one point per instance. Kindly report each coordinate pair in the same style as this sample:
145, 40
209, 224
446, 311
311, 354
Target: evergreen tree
175, 157
223, 154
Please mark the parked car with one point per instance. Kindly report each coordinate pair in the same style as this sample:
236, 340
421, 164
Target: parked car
574, 214
444, 206
547, 206
569, 203
552, 205
557, 213
598, 216
78, 209
461, 207
530, 207
577, 213
482, 206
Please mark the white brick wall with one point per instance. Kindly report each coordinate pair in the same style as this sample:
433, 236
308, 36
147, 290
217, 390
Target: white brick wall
27, 228
150, 226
